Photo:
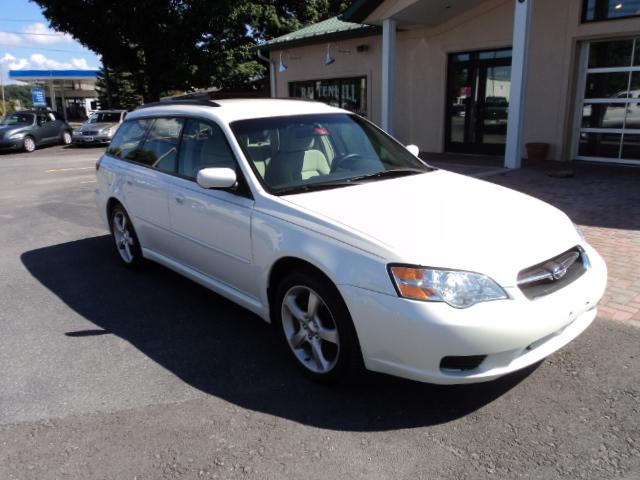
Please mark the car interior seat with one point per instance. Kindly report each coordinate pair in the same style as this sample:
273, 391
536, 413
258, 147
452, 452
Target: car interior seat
297, 159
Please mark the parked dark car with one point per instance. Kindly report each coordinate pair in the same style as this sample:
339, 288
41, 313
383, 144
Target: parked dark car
29, 130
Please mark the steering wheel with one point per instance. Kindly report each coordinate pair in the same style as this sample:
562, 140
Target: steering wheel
346, 162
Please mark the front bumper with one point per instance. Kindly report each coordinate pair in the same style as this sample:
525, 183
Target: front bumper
410, 339
90, 139
11, 144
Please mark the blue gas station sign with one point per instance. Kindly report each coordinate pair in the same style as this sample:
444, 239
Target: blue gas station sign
38, 97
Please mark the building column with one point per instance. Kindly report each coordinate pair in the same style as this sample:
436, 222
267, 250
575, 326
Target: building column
388, 73
515, 126
64, 107
52, 94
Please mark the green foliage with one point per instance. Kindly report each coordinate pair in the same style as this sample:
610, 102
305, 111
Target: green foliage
117, 90
16, 95
182, 45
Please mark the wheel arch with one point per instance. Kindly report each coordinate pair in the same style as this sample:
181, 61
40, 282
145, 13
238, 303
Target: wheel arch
285, 265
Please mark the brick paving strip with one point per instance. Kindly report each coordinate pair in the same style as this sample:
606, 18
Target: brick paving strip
605, 202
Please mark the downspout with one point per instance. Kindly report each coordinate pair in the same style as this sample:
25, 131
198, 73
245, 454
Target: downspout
272, 73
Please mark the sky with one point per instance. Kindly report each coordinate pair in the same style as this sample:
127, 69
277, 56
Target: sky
27, 42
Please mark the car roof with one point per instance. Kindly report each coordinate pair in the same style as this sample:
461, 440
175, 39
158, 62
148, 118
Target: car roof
112, 110
230, 110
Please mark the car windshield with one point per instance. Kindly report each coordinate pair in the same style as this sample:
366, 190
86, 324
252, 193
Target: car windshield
309, 152
17, 119
104, 117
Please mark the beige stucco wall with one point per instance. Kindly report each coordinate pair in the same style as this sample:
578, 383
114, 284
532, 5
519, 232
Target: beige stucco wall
422, 68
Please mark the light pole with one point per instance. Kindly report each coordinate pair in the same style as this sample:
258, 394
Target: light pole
2, 86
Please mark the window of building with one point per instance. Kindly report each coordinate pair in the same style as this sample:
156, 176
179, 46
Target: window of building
347, 93
610, 122
598, 10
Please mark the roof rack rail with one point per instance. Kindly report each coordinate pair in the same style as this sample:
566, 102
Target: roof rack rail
185, 101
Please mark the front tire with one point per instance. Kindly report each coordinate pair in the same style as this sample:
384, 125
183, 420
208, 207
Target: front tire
125, 238
316, 328
28, 144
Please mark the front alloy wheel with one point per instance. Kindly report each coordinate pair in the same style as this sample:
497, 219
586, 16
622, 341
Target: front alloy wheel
310, 329
29, 144
316, 327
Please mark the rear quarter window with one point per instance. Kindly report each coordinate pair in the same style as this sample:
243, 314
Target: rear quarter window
128, 138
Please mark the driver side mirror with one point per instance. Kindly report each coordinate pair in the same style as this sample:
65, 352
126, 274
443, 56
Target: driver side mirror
217, 178
413, 150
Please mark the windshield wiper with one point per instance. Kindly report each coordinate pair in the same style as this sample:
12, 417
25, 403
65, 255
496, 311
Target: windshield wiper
396, 172
314, 187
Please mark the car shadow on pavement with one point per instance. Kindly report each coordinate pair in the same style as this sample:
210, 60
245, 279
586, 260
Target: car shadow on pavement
226, 351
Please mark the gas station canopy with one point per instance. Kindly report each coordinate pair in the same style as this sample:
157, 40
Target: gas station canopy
71, 92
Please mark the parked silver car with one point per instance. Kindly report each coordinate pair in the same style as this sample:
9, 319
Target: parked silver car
99, 128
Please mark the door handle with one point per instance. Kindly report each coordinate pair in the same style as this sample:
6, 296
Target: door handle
179, 199
129, 182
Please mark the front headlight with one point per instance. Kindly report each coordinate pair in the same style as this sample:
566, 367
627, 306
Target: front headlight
458, 289
107, 131
77, 132
15, 136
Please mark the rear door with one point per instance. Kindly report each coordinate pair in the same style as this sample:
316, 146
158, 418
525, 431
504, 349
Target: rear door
48, 129
212, 227
150, 149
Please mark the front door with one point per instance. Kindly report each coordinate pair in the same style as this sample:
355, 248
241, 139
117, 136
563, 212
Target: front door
211, 228
479, 85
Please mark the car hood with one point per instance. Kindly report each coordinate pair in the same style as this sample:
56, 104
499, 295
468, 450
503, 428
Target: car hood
11, 128
441, 219
96, 126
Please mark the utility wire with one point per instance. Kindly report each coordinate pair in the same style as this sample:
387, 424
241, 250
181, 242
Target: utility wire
38, 47
58, 34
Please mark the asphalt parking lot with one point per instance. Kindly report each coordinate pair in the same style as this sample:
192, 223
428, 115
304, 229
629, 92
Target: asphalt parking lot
108, 373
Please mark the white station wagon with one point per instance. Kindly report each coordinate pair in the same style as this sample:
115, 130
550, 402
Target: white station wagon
357, 251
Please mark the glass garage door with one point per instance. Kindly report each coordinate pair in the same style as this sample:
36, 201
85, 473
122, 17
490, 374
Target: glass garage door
610, 121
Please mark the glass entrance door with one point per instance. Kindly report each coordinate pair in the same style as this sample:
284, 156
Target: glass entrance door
479, 87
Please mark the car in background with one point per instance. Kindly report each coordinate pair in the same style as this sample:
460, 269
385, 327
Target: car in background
28, 130
99, 128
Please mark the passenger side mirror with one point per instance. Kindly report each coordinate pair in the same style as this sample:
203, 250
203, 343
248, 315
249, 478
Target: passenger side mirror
413, 150
217, 178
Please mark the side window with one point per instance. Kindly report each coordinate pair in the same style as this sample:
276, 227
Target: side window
127, 139
203, 146
42, 119
160, 148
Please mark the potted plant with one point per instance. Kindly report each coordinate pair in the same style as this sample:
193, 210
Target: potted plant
537, 151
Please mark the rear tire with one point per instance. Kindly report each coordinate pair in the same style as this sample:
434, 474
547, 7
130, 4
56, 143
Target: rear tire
28, 144
125, 238
315, 327
66, 138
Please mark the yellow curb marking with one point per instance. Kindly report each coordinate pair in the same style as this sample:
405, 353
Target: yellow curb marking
55, 170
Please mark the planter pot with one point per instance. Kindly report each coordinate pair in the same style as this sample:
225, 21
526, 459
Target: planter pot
537, 152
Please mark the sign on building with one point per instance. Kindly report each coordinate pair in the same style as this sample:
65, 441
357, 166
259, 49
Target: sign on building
38, 97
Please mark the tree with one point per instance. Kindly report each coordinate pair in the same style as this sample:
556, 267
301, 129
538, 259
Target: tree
182, 44
117, 89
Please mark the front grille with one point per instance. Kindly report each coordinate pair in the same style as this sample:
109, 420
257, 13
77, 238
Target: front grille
552, 275
90, 132
462, 364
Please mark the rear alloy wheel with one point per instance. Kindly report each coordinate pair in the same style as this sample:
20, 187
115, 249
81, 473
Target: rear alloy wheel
28, 144
66, 138
317, 328
125, 238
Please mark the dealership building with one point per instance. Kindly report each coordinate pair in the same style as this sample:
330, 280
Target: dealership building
478, 76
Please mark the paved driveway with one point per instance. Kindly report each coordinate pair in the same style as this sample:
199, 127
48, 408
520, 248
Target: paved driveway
605, 202
107, 373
